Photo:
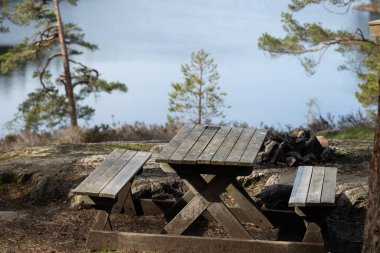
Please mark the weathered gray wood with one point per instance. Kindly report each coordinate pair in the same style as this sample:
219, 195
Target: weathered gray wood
187, 144
253, 148
197, 205
121, 198
313, 233
229, 222
102, 221
329, 186
301, 186
129, 206
315, 188
193, 244
130, 170
226, 147
251, 211
213, 146
103, 179
108, 161
172, 146
200, 145
240, 147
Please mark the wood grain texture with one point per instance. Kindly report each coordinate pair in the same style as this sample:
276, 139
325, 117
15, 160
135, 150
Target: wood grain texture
213, 146
226, 147
329, 186
187, 144
108, 174
253, 148
229, 222
125, 175
143, 242
301, 186
93, 177
315, 188
240, 147
200, 145
172, 146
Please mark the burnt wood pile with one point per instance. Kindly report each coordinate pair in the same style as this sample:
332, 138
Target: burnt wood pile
298, 147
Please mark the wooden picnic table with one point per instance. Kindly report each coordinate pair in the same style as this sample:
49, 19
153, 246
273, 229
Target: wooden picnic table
209, 159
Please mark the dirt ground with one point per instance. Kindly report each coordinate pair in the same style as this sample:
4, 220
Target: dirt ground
52, 226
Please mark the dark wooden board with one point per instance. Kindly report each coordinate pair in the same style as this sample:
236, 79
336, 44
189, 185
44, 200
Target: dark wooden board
102, 180
200, 145
93, 177
187, 144
193, 244
125, 175
240, 147
226, 147
253, 148
172, 146
213, 146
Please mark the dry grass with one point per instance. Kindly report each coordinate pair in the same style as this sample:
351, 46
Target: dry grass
128, 132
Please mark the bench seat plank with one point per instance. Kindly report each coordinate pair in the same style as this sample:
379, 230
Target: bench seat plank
134, 165
301, 186
108, 161
315, 187
172, 146
109, 173
329, 186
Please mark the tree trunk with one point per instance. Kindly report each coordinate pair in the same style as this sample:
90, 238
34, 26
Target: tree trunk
200, 96
66, 65
371, 241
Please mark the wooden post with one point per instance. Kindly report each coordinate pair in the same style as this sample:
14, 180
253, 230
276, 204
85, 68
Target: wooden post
374, 27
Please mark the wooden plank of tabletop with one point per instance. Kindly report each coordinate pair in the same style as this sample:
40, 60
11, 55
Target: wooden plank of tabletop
226, 147
187, 144
213, 146
108, 161
301, 186
103, 179
172, 146
316, 184
240, 146
253, 148
329, 187
200, 145
125, 175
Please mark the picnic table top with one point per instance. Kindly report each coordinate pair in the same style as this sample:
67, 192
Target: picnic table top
213, 145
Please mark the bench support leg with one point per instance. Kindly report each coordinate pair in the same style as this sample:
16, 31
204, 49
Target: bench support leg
102, 221
313, 232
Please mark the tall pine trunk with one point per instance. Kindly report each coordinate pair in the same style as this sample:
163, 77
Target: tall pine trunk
69, 89
371, 241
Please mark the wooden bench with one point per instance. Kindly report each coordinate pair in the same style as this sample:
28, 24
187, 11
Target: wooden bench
109, 187
312, 196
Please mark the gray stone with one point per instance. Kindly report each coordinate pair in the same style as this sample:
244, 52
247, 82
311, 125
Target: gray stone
276, 191
327, 154
79, 202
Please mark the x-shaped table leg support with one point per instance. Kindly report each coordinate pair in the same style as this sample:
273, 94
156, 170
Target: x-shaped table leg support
207, 198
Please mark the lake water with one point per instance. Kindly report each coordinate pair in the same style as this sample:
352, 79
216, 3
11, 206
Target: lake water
144, 42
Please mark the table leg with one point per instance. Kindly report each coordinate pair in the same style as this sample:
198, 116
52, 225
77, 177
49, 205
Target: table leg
197, 205
251, 211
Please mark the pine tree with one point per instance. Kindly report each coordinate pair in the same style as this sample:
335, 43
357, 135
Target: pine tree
57, 100
199, 95
363, 55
